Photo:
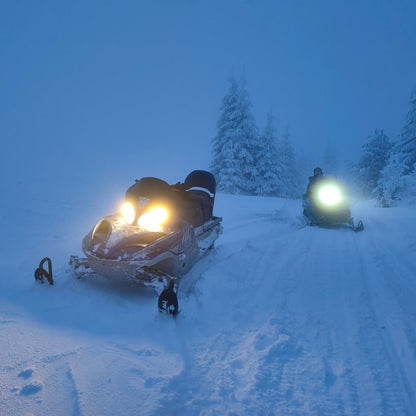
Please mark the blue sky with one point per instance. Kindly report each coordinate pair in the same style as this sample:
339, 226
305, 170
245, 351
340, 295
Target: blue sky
123, 89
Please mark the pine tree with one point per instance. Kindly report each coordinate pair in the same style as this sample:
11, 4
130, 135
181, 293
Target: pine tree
410, 183
376, 154
390, 185
406, 146
236, 143
290, 183
269, 171
248, 145
224, 165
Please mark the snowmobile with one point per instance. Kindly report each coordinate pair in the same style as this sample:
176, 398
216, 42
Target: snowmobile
160, 233
325, 203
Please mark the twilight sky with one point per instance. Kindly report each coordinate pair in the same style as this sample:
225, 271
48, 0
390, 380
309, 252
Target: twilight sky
124, 89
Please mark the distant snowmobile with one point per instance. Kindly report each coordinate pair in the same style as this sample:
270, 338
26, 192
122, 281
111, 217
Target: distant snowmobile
326, 203
161, 232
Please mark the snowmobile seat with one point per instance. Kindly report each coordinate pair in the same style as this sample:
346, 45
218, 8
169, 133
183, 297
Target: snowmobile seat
203, 201
192, 212
202, 185
201, 179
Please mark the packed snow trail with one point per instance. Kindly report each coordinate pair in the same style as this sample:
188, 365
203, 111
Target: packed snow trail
278, 319
317, 337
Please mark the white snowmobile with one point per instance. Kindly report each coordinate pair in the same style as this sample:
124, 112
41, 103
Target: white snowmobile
161, 232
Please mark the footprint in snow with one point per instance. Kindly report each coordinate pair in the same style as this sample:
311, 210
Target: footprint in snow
34, 387
26, 373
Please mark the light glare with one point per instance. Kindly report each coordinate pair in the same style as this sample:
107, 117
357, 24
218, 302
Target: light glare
329, 195
153, 219
128, 213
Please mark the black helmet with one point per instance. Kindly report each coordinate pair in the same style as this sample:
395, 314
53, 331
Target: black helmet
317, 171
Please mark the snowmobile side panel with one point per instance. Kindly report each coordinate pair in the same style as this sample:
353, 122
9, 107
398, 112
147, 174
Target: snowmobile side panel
175, 262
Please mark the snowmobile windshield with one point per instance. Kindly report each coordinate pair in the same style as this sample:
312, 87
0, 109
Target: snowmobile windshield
150, 203
151, 188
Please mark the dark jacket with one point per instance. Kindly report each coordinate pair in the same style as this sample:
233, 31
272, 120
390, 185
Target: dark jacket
312, 181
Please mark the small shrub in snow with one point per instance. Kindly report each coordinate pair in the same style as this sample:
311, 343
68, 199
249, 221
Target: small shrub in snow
374, 159
391, 184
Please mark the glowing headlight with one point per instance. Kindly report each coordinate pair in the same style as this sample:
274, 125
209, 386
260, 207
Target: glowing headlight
128, 212
153, 219
329, 195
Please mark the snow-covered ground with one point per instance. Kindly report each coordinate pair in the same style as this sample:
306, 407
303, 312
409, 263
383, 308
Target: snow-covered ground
279, 319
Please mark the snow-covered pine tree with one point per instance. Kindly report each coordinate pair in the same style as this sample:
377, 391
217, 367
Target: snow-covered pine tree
248, 144
290, 181
235, 144
374, 159
269, 171
406, 146
224, 165
390, 185
410, 184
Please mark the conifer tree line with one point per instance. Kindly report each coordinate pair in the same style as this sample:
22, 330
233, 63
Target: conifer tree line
387, 169
247, 161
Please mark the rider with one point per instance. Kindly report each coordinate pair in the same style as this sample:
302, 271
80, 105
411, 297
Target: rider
317, 175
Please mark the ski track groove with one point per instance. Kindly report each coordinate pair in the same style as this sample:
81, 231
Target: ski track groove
391, 403
211, 365
75, 396
276, 377
395, 268
390, 272
381, 351
273, 375
338, 351
327, 346
398, 264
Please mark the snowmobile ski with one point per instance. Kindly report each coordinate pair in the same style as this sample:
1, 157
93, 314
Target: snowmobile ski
168, 299
41, 273
358, 227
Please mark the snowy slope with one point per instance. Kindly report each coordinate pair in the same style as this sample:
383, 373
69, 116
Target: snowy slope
279, 319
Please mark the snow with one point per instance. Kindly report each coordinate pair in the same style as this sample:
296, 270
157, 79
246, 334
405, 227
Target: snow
278, 319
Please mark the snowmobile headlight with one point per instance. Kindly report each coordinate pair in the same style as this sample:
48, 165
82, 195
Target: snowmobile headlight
153, 219
330, 195
128, 212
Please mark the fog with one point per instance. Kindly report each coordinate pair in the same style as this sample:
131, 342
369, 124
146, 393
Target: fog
103, 92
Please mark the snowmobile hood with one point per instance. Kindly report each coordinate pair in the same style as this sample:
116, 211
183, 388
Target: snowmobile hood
113, 239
